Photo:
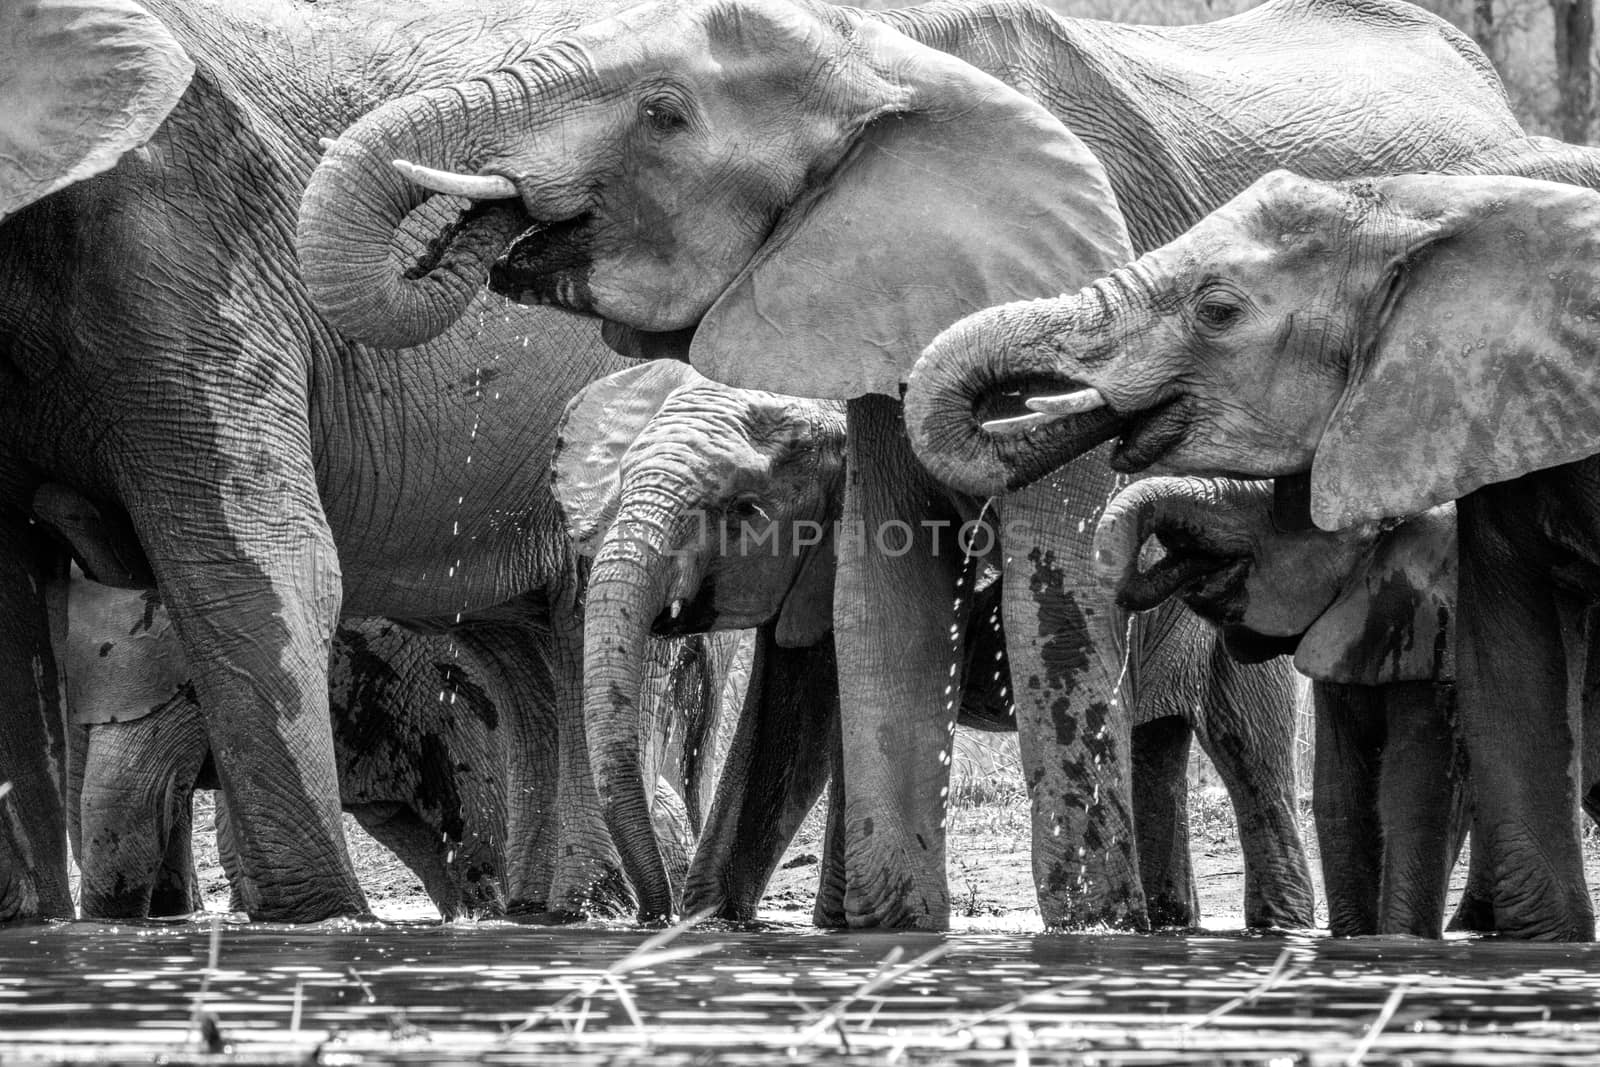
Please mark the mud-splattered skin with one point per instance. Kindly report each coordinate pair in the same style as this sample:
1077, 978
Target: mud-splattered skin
1404, 341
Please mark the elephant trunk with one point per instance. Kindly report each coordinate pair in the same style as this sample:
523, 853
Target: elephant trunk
352, 257
627, 587
967, 403
1189, 516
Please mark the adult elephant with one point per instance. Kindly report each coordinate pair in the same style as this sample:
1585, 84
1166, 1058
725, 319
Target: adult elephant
217, 438
799, 186
1406, 342
708, 507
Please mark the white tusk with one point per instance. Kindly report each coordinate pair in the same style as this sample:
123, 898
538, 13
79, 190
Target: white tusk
676, 609
1019, 424
472, 186
326, 143
1067, 403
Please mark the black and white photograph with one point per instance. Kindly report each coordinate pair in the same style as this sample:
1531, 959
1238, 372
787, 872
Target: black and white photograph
771, 532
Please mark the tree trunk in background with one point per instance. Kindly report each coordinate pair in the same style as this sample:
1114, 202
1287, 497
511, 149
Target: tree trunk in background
1489, 34
1574, 36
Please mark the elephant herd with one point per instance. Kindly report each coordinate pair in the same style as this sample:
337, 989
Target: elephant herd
434, 398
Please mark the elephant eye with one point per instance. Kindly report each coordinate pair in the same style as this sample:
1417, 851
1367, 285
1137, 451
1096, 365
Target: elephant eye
662, 116
746, 508
1217, 314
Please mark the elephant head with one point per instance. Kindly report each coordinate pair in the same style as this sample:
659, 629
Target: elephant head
1407, 340
704, 508
803, 195
1368, 605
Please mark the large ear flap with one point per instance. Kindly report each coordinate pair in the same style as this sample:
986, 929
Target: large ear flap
599, 426
81, 82
1395, 621
807, 612
969, 195
1483, 362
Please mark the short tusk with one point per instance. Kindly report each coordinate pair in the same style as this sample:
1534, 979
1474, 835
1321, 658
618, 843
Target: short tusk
676, 609
1067, 403
1019, 424
472, 186
326, 143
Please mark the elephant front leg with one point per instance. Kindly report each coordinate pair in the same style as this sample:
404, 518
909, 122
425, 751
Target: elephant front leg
776, 767
33, 752
1073, 717
900, 608
1161, 819
1349, 747
1249, 735
1417, 803
1520, 719
251, 580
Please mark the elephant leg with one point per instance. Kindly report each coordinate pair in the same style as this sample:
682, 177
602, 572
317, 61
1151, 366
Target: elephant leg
828, 912
1351, 724
1074, 718
1520, 702
900, 608
33, 756
251, 580
139, 777
415, 842
228, 851
776, 766
1249, 734
1161, 820
177, 886
1416, 802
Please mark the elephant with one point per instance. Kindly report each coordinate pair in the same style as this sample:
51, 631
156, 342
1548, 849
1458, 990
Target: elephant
784, 192
693, 528
1393, 344
418, 742
177, 415
1366, 613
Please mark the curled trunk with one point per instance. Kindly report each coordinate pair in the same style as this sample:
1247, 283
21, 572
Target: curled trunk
985, 367
1188, 514
356, 200
627, 587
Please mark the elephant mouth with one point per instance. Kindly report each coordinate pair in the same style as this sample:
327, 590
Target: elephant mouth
1201, 578
680, 618
1003, 411
548, 264
1248, 646
1152, 434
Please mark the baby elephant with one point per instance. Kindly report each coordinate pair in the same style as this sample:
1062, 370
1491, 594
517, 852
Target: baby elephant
1367, 612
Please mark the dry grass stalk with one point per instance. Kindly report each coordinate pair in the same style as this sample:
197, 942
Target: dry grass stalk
886, 974
652, 951
1279, 972
1384, 1015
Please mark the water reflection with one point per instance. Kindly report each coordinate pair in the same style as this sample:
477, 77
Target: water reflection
430, 992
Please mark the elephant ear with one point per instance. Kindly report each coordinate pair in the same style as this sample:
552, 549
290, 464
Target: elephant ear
1395, 621
807, 612
960, 194
81, 82
1482, 361
599, 426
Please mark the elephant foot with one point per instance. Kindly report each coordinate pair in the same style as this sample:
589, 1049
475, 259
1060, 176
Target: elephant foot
1475, 914
1172, 911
